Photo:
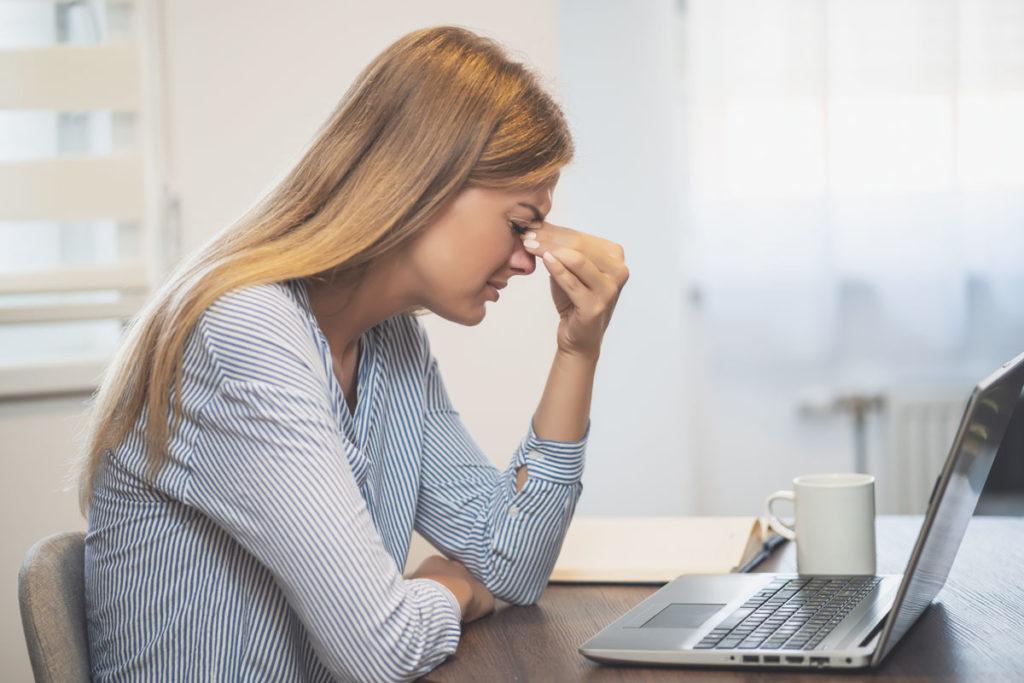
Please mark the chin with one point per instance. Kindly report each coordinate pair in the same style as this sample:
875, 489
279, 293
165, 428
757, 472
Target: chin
473, 319
469, 316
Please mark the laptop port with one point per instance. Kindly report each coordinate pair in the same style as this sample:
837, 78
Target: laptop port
819, 661
751, 658
794, 660
771, 659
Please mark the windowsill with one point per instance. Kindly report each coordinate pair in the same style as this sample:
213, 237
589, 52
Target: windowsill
27, 382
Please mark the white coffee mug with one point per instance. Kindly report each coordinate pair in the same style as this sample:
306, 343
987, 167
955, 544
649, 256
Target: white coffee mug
834, 527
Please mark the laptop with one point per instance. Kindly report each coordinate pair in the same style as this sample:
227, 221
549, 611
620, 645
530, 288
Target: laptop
840, 622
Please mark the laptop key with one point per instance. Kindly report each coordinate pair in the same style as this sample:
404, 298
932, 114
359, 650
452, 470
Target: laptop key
735, 618
796, 613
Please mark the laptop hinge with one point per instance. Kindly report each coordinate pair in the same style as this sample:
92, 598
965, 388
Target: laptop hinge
873, 633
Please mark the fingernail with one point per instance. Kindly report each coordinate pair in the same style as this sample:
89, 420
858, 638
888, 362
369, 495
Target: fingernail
530, 235
549, 257
531, 244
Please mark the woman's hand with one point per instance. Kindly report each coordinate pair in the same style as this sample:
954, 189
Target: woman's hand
587, 275
474, 598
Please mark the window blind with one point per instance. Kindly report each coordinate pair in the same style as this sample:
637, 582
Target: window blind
80, 186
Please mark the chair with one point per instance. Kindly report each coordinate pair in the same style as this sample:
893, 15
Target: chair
51, 591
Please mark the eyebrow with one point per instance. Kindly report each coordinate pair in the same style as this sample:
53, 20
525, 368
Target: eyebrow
536, 212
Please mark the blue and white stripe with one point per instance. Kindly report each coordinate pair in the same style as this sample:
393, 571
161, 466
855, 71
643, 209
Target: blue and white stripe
271, 545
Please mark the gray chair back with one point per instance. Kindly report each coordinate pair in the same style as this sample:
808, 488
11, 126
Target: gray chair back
51, 591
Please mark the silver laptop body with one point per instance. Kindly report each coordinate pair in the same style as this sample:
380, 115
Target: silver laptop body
696, 619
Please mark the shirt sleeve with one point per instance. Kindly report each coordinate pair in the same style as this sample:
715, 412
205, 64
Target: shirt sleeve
470, 510
269, 466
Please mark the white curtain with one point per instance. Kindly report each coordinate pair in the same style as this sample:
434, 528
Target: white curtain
853, 208
855, 176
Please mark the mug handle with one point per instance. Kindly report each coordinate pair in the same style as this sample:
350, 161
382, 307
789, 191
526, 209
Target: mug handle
776, 524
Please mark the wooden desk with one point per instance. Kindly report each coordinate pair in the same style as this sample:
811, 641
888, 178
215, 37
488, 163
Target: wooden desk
974, 631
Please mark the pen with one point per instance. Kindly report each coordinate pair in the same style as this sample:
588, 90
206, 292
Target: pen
773, 542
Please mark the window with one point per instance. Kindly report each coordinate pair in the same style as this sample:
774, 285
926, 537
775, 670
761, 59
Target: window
854, 223
856, 169
79, 186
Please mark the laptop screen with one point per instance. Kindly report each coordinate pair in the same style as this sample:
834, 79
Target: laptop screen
954, 498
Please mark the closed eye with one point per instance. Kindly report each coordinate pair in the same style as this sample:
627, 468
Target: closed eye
520, 229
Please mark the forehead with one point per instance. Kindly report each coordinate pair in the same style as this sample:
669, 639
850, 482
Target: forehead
540, 196
472, 199
543, 188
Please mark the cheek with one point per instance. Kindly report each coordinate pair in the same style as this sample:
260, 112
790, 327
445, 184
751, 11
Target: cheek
453, 273
459, 262
476, 261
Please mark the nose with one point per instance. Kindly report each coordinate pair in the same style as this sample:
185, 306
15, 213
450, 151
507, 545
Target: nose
521, 262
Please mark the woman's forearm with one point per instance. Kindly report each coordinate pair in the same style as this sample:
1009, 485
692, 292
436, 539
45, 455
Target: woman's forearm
564, 407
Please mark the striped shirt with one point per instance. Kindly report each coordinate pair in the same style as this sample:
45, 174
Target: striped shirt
271, 545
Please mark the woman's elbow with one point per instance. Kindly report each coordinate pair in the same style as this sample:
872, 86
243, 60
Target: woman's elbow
393, 661
522, 595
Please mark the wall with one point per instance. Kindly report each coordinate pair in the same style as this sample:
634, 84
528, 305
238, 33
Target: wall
36, 443
616, 63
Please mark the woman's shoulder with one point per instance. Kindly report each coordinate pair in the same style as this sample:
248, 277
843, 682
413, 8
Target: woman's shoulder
276, 303
257, 326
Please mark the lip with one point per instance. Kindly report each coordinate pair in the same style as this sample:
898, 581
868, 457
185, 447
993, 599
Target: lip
493, 286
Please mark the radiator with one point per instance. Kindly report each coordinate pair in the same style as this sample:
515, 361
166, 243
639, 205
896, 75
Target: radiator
916, 432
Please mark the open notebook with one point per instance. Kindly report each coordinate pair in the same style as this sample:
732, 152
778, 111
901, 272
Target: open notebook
655, 549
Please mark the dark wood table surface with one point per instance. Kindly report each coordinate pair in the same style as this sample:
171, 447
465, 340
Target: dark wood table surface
974, 631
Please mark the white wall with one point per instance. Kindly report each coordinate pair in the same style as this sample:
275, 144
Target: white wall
36, 443
618, 79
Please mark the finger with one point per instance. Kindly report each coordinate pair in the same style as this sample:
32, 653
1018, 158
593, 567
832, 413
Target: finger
595, 249
582, 297
587, 272
570, 284
608, 256
555, 235
610, 262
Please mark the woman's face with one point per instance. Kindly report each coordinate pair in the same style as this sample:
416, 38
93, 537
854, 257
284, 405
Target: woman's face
474, 245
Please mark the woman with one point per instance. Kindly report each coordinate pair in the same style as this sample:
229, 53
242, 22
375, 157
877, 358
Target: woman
258, 528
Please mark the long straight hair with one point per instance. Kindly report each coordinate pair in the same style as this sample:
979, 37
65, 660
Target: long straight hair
439, 110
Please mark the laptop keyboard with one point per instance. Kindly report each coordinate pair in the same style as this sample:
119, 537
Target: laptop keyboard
790, 614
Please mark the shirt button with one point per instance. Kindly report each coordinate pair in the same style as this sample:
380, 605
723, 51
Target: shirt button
536, 455
513, 511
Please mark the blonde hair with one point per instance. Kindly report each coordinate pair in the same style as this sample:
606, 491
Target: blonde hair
439, 110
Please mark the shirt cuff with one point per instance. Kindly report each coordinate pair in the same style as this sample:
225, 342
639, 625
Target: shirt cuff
447, 594
560, 462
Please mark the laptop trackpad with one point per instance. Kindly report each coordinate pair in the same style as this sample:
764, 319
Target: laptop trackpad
682, 615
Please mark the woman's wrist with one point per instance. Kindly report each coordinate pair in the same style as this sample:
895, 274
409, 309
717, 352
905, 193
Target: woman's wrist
575, 357
564, 408
459, 587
